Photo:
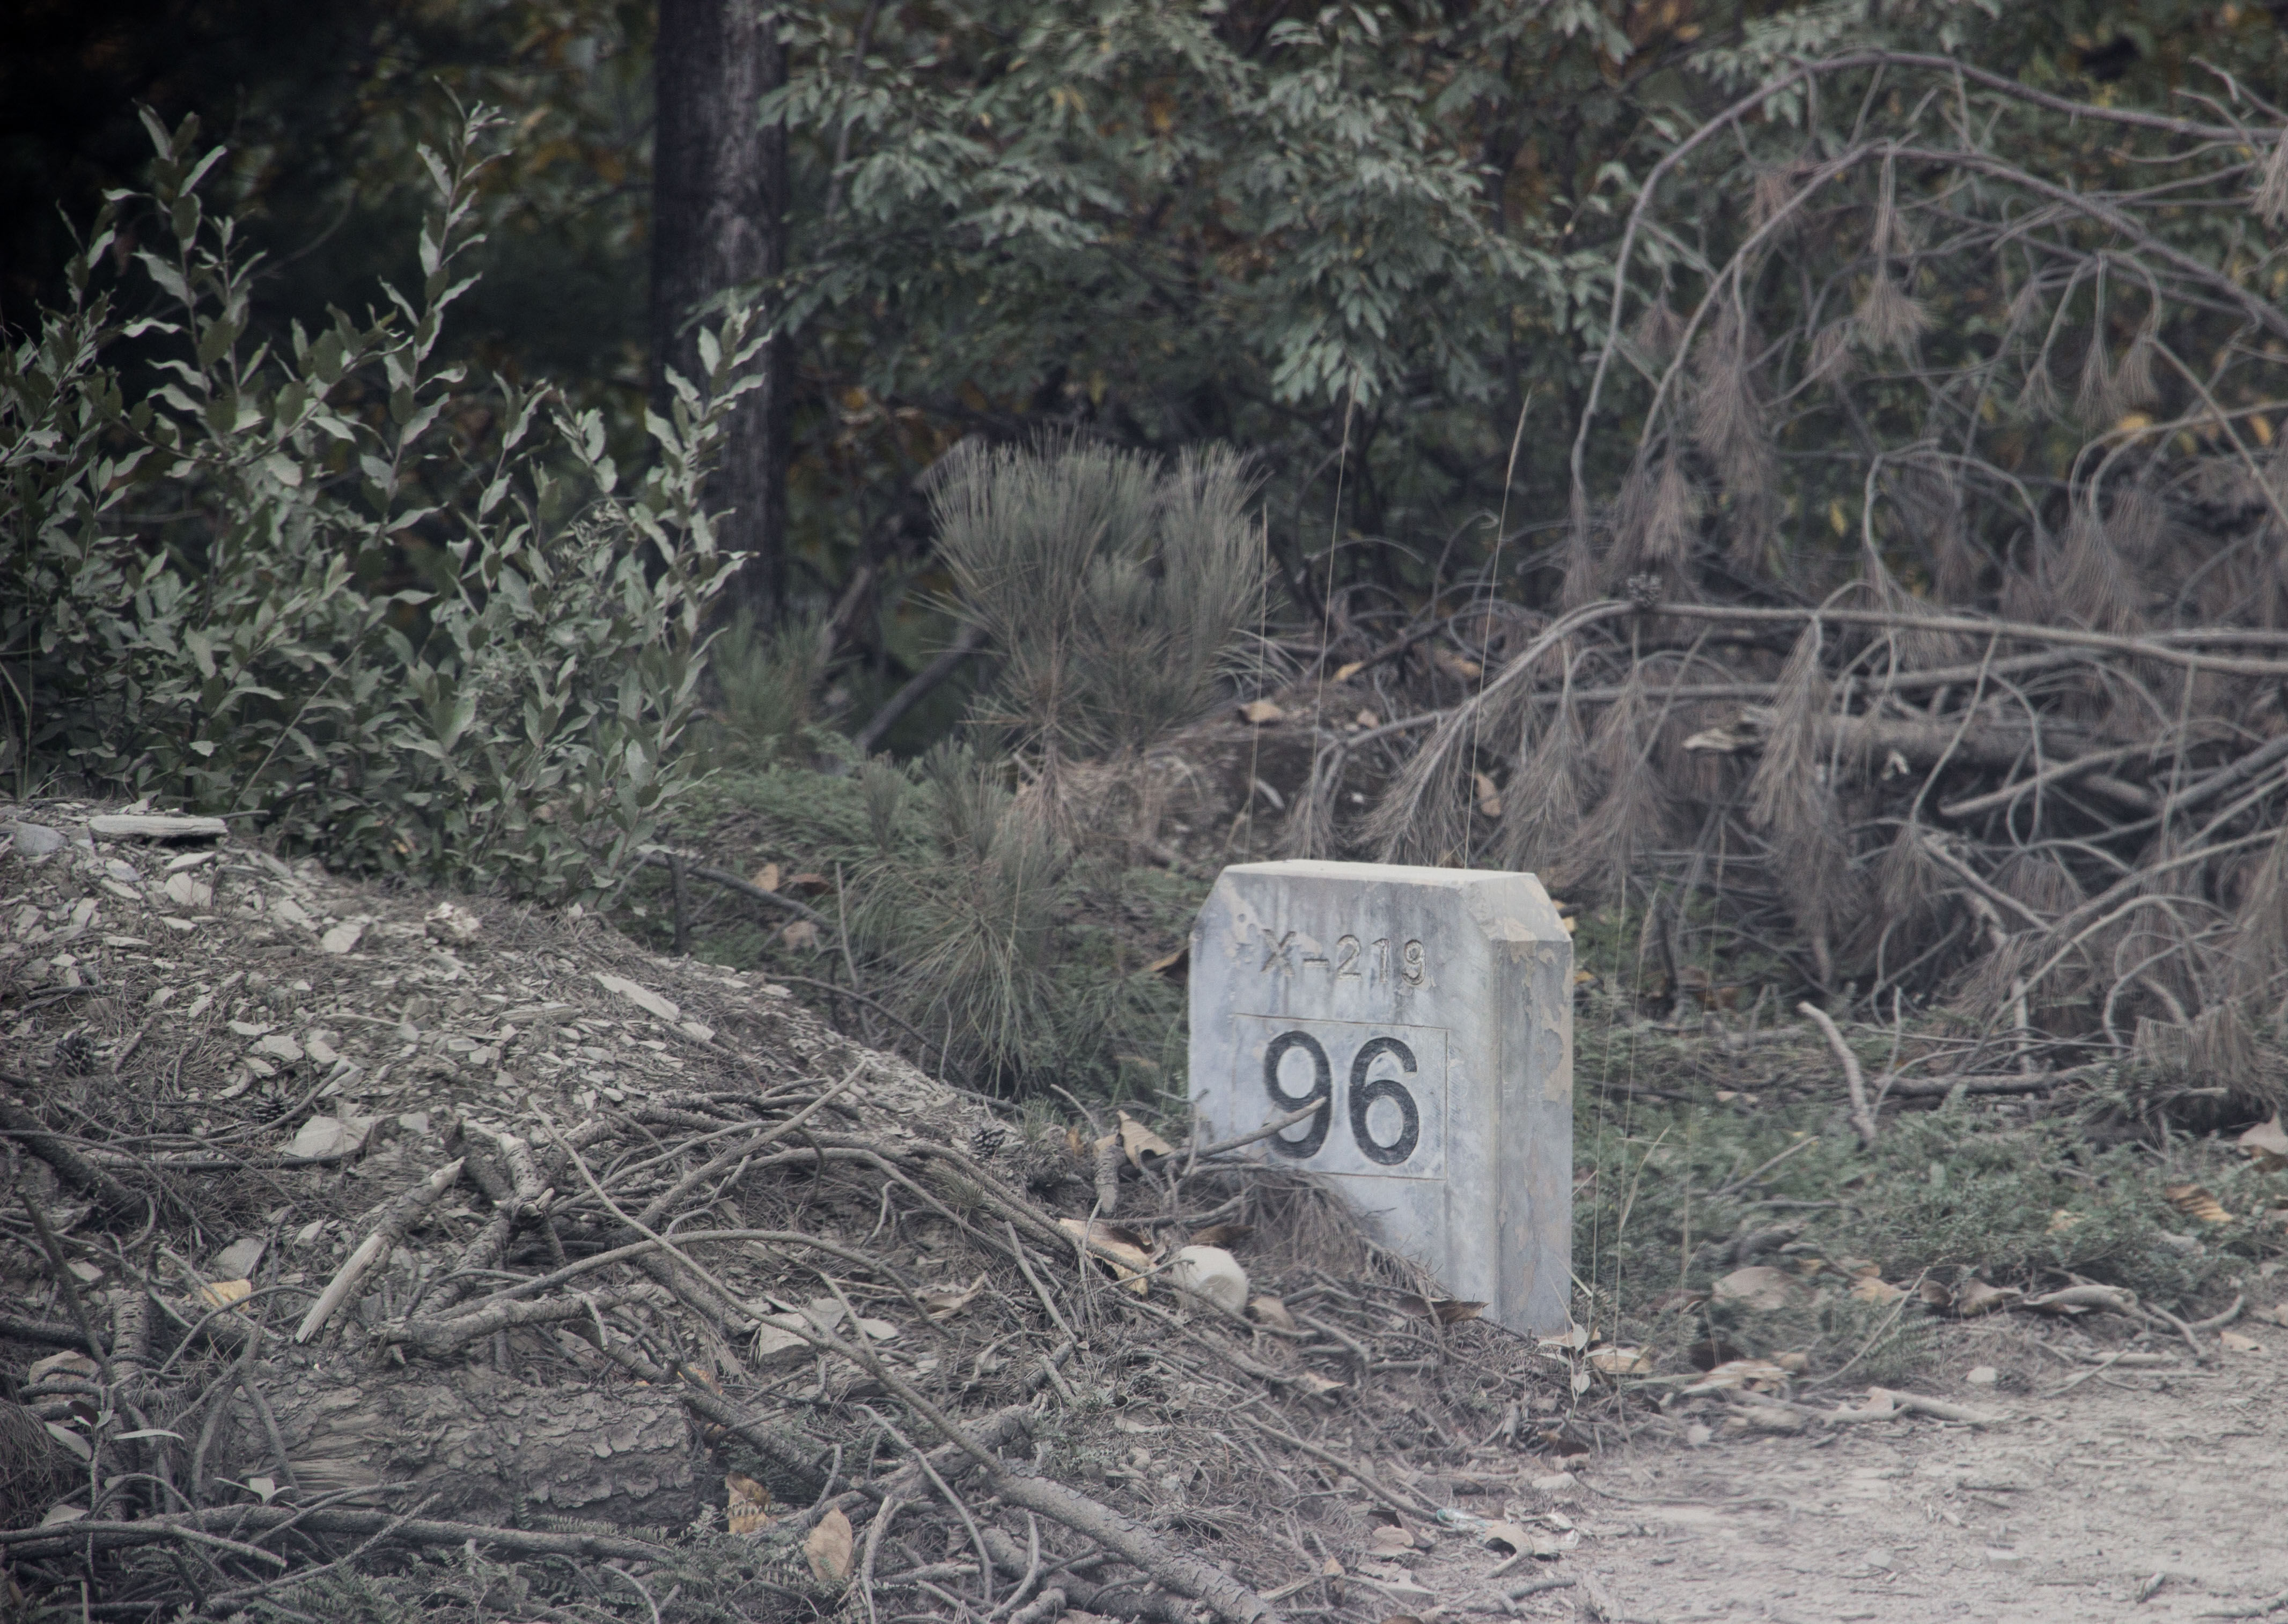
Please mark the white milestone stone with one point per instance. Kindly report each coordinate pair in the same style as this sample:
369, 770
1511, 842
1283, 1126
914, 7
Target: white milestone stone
1433, 1010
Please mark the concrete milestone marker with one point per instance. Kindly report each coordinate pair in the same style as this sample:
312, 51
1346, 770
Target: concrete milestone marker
1432, 1009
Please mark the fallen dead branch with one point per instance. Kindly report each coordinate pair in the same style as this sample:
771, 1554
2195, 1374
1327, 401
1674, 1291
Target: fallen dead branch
1863, 1113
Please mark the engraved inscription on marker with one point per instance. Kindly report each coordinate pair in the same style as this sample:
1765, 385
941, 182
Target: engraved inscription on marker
1428, 1012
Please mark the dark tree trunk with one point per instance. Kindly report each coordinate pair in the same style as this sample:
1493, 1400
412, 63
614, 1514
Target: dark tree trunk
719, 197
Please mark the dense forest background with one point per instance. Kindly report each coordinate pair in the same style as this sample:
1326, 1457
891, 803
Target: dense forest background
1806, 479
1294, 229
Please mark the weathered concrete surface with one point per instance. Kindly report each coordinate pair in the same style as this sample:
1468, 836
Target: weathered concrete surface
1432, 1007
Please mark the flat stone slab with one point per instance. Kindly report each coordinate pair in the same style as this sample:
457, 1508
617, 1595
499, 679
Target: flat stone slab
155, 826
1431, 1010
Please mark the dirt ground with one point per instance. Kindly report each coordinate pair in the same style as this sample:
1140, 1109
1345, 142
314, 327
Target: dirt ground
2145, 1494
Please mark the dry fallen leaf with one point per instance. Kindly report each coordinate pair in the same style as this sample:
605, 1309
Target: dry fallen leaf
1620, 1361
1138, 1142
222, 1294
808, 884
1318, 1386
802, 934
1446, 1310
1387, 1540
1761, 1287
1489, 801
749, 1503
945, 1301
1260, 711
827, 1548
2268, 1142
2063, 1219
1506, 1536
1224, 1235
1977, 1297
1348, 669
1116, 1249
1271, 1311
1794, 1364
1172, 966
764, 878
2237, 1344
1754, 1374
2195, 1202
1875, 1288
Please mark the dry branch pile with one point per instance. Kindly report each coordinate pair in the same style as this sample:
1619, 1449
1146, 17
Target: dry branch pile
362, 1253
1863, 651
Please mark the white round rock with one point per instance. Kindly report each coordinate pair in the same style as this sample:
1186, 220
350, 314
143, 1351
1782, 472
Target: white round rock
1210, 1273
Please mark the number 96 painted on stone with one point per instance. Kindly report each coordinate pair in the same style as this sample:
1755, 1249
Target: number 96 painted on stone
1384, 1089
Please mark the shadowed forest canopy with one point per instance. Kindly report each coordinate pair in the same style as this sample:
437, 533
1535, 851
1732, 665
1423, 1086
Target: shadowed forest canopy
1292, 229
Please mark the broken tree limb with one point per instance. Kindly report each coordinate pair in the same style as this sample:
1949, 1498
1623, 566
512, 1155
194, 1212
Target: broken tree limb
395, 1220
1863, 1115
115, 1199
2167, 647
2228, 778
1937, 1409
917, 688
1277, 1124
731, 882
2057, 773
86, 1536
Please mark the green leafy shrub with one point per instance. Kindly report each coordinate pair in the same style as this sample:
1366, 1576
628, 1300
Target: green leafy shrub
284, 583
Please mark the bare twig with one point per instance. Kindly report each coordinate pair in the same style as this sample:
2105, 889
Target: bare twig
1863, 1116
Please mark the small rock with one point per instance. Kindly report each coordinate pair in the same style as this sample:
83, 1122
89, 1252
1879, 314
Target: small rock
236, 1261
1698, 1434
449, 921
1982, 1375
278, 1044
35, 839
1210, 1274
1556, 1483
2007, 1558
185, 892
342, 936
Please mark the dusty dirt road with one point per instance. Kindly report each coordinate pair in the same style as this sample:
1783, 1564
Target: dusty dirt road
2150, 1496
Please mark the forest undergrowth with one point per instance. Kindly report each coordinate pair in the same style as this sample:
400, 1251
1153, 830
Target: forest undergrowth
1726, 1205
